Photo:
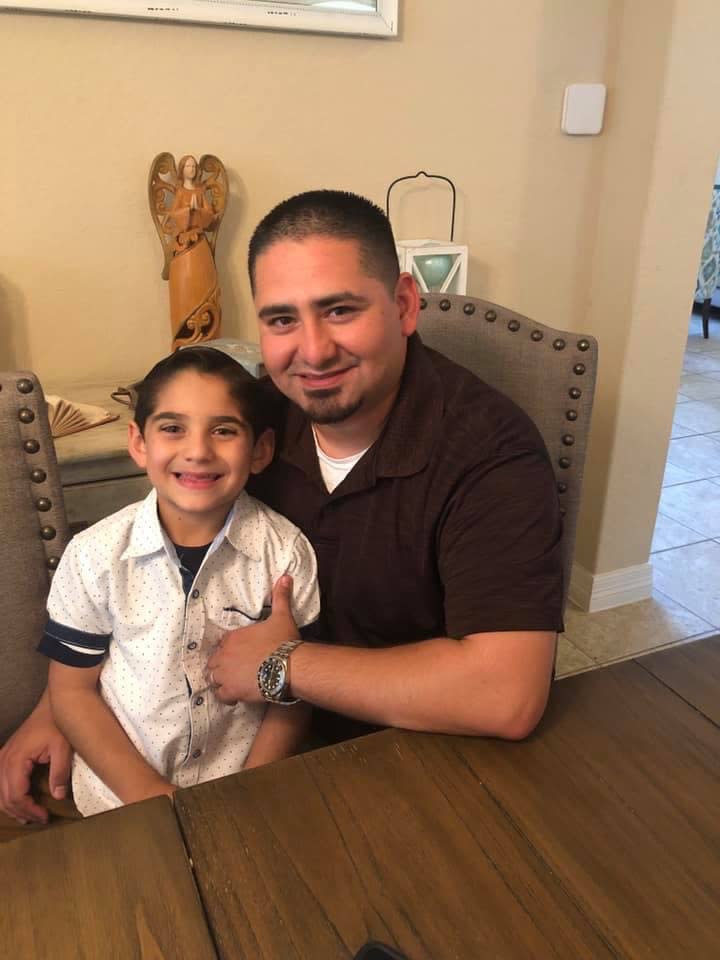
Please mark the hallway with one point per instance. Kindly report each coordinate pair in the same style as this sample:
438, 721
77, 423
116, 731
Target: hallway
686, 547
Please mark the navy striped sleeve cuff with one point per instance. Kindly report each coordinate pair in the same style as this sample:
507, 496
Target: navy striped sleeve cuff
75, 648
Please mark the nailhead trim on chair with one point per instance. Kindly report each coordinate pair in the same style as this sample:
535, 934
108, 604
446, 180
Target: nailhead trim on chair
54, 533
545, 338
36, 531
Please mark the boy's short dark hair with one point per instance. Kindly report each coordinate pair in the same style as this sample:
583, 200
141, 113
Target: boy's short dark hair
331, 213
245, 390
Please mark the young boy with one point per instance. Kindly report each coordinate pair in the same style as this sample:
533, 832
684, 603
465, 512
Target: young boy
140, 599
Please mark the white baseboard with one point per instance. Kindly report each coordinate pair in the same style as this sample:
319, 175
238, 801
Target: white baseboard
602, 591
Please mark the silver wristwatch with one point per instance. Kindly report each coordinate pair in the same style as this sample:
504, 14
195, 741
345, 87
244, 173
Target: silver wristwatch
273, 674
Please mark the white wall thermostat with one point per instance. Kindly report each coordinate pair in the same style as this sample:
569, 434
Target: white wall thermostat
583, 108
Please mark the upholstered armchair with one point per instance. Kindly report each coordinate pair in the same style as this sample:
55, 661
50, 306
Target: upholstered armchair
550, 373
34, 534
709, 272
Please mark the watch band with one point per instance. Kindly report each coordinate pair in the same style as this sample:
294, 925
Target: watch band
285, 649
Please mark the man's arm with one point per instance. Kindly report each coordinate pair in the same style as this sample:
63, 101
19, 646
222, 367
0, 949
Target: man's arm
486, 684
491, 684
280, 734
93, 730
37, 740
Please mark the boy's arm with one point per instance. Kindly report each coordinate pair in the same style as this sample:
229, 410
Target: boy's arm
280, 734
93, 730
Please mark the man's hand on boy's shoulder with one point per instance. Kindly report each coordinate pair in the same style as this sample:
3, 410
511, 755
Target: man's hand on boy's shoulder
232, 669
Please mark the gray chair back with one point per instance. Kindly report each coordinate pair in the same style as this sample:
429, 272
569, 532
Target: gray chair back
33, 532
549, 373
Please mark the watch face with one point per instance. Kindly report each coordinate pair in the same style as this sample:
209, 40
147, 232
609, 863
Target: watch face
272, 676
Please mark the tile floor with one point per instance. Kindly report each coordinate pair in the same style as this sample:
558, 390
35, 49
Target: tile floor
686, 547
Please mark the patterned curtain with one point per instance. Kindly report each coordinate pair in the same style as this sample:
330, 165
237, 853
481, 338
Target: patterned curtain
709, 272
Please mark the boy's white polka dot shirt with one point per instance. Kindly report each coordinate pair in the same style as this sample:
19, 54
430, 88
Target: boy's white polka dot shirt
118, 594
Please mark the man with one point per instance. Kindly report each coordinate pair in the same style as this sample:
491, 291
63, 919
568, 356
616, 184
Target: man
428, 497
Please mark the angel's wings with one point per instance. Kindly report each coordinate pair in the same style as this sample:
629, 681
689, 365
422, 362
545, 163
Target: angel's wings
163, 184
213, 179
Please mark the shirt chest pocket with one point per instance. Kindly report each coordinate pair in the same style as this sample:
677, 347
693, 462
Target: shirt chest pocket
233, 617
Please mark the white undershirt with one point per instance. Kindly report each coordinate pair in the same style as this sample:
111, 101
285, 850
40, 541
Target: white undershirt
333, 469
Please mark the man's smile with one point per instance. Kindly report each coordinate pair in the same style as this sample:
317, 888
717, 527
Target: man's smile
322, 380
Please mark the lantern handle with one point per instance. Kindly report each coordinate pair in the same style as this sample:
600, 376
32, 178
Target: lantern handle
430, 176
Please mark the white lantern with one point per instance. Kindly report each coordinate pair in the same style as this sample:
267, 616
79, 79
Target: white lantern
438, 266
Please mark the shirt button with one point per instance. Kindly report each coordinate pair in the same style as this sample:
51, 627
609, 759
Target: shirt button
199, 701
196, 754
192, 645
195, 594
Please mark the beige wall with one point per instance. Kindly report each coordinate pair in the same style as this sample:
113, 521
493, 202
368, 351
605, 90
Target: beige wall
599, 234
657, 171
91, 102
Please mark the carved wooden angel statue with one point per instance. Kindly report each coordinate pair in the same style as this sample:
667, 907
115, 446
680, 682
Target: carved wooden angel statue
187, 205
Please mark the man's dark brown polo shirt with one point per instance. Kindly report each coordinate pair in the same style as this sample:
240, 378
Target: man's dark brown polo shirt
449, 524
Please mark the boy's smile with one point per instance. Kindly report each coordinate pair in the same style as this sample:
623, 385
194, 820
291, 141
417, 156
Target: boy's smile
197, 481
198, 451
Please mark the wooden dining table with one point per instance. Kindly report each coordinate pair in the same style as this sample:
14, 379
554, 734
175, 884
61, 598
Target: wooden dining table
599, 836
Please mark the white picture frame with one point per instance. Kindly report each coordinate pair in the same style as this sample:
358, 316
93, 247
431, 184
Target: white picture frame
269, 14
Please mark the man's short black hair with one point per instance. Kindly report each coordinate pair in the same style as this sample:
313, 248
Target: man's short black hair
245, 390
331, 213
